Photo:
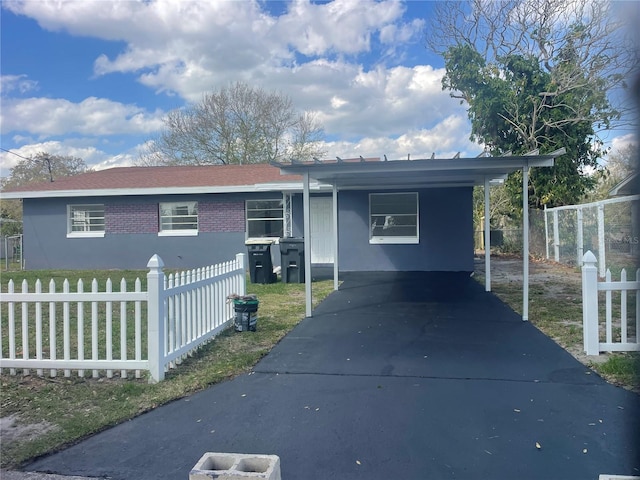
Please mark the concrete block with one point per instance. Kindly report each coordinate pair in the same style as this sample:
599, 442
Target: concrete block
236, 466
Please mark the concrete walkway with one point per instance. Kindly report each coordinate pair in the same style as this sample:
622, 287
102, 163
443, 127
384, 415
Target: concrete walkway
412, 376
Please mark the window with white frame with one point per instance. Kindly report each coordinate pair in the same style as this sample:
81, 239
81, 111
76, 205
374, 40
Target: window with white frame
393, 218
85, 220
178, 218
265, 218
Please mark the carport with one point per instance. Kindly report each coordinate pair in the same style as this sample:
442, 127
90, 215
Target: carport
365, 174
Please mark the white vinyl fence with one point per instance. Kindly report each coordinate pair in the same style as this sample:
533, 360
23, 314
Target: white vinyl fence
620, 333
107, 331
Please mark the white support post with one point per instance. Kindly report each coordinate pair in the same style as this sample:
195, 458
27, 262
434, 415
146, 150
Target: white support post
242, 266
590, 304
155, 318
546, 233
580, 238
556, 237
525, 243
487, 236
307, 243
601, 246
336, 270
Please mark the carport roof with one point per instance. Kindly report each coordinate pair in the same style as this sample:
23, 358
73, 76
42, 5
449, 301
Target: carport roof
371, 173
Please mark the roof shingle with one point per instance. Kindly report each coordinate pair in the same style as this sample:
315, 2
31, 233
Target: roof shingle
124, 178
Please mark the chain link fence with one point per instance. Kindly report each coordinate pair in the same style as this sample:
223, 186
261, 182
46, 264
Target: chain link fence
610, 229
11, 252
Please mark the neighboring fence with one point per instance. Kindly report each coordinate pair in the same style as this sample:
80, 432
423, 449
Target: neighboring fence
620, 334
609, 228
54, 331
11, 252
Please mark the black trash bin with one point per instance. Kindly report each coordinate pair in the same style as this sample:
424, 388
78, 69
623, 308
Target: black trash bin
260, 263
246, 313
292, 259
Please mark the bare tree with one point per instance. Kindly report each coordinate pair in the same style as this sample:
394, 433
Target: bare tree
238, 124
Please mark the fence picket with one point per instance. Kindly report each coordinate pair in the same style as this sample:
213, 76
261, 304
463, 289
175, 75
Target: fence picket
123, 327
52, 328
66, 319
94, 327
39, 327
138, 327
12, 327
80, 306
25, 326
109, 328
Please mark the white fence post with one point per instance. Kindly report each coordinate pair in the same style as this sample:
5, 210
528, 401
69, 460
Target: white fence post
546, 232
590, 304
240, 258
155, 317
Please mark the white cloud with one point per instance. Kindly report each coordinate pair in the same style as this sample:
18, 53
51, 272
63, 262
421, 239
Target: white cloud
16, 83
47, 117
342, 26
620, 143
445, 140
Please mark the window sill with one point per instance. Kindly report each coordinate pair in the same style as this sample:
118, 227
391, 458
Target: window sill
178, 233
85, 235
394, 240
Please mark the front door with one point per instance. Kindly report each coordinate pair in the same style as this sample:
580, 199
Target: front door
321, 224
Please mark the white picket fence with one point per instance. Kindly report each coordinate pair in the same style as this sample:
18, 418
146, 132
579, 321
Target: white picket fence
620, 334
184, 311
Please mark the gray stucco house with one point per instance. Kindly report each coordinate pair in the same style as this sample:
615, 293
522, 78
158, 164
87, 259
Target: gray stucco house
199, 215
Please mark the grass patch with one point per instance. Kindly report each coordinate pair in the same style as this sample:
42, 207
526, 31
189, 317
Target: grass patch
73, 408
621, 368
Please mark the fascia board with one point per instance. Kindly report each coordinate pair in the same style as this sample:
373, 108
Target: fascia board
497, 165
119, 192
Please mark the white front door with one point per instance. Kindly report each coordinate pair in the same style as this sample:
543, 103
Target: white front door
321, 224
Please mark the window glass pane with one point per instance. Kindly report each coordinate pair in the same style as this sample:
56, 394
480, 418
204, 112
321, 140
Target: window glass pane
394, 215
86, 218
265, 218
179, 216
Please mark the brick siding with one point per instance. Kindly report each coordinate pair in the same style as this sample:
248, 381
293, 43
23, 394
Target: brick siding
131, 218
223, 216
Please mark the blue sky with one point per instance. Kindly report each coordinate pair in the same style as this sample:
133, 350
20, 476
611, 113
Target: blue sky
94, 78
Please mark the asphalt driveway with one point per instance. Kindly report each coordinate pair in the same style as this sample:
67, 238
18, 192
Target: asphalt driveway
412, 376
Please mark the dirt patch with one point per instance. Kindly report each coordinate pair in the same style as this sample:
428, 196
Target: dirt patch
14, 429
509, 269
